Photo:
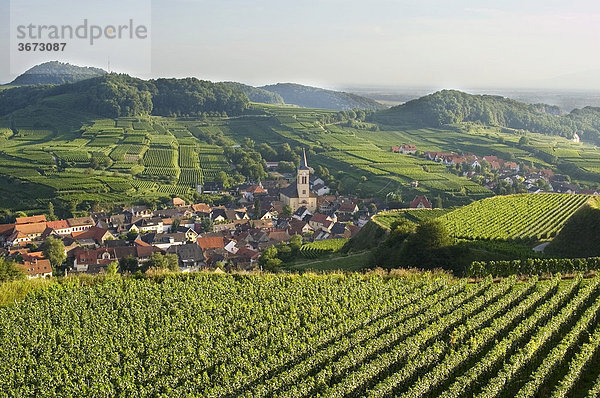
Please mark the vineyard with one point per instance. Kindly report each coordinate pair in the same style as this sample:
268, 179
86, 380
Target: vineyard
321, 248
525, 217
304, 336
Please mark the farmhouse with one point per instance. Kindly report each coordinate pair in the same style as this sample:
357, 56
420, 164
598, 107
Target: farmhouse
420, 202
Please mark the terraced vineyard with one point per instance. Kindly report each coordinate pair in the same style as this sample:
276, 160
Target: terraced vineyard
322, 247
386, 218
526, 216
305, 336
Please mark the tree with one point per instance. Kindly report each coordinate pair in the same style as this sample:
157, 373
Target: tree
287, 210
160, 261
421, 248
437, 202
54, 250
207, 225
268, 260
9, 271
51, 215
524, 140
296, 243
112, 268
129, 264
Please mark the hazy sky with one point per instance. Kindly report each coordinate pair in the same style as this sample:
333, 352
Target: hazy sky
336, 43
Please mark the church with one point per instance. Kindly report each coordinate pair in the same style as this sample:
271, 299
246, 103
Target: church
299, 194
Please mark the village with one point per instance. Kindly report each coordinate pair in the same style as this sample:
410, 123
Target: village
499, 175
226, 237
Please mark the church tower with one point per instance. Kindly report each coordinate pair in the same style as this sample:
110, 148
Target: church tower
302, 181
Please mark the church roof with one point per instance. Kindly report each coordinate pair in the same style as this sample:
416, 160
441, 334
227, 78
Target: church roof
303, 162
292, 191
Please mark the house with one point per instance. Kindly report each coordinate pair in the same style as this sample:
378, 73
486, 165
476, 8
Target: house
22, 234
218, 214
138, 211
576, 138
178, 202
97, 234
190, 234
201, 210
36, 268
299, 194
272, 165
211, 187
340, 230
30, 220
301, 213
190, 257
321, 222
211, 242
511, 166
321, 189
165, 241
144, 225
297, 227
252, 191
60, 227
420, 202
407, 149
79, 224
266, 215
348, 208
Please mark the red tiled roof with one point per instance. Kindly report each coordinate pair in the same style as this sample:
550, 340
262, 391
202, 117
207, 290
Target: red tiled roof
420, 199
36, 267
210, 242
60, 224
31, 220
29, 229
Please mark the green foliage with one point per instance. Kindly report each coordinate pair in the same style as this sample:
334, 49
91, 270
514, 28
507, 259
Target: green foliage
9, 271
450, 106
163, 261
115, 95
257, 94
54, 250
387, 336
579, 237
514, 217
55, 72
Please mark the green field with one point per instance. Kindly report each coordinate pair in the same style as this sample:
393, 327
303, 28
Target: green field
514, 217
304, 336
183, 152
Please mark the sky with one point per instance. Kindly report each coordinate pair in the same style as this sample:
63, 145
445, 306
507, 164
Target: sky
341, 43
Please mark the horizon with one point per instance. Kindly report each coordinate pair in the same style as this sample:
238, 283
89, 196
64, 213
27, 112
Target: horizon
539, 45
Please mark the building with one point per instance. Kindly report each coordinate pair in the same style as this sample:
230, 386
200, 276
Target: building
576, 138
420, 202
299, 194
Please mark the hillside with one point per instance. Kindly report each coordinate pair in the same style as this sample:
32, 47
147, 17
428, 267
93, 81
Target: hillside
313, 97
257, 94
579, 237
55, 72
514, 217
450, 106
116, 95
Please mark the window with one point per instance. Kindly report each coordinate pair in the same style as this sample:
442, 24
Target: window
304, 192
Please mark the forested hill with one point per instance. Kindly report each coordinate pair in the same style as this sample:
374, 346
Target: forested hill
313, 97
257, 94
116, 95
451, 106
55, 72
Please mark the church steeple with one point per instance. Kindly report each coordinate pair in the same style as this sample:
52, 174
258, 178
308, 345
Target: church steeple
302, 180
